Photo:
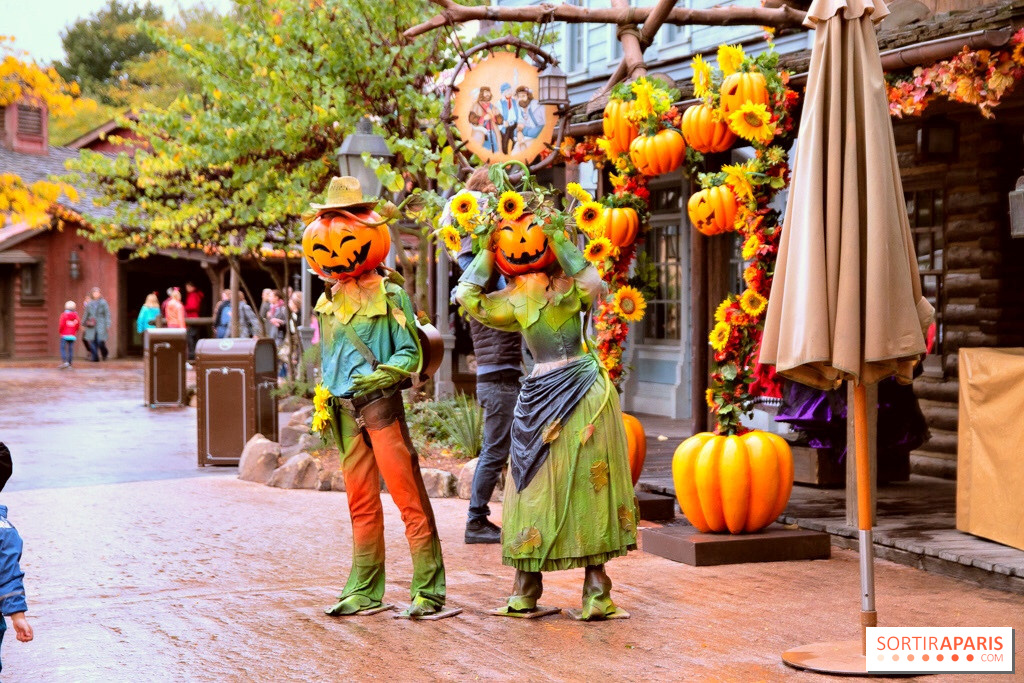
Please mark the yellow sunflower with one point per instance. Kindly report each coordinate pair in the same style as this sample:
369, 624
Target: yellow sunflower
510, 205
736, 177
774, 156
467, 221
629, 304
450, 237
750, 247
701, 77
598, 250
721, 310
590, 218
464, 204
751, 122
320, 396
719, 336
752, 303
709, 397
729, 58
576, 191
321, 420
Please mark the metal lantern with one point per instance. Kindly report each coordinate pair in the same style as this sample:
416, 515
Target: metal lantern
74, 265
552, 86
350, 156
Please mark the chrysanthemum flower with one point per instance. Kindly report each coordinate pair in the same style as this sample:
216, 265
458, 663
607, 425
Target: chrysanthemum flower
729, 58
752, 303
629, 304
752, 122
719, 336
511, 205
464, 204
598, 250
590, 218
450, 237
701, 77
750, 247
576, 191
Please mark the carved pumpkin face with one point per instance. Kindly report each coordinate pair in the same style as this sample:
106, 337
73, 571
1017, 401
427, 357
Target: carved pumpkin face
521, 246
337, 246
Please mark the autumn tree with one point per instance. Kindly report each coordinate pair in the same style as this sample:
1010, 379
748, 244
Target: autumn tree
23, 80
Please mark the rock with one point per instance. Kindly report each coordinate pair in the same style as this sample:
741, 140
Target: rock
439, 483
301, 471
323, 479
303, 417
259, 459
307, 443
290, 434
292, 403
337, 481
465, 482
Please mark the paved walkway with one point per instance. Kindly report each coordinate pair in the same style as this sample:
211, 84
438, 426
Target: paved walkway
185, 578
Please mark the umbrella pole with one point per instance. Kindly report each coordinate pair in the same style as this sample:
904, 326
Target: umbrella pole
866, 546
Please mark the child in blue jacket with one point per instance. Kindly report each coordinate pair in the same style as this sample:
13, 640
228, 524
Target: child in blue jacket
12, 590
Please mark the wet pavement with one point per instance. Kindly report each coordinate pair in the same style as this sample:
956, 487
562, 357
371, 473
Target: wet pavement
177, 577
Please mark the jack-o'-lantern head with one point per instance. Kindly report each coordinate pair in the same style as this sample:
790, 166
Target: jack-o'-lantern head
339, 245
520, 246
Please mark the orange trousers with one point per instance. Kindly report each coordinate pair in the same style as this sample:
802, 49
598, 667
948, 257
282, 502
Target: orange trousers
383, 448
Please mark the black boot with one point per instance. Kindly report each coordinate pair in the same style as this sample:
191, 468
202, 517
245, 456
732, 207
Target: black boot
482, 531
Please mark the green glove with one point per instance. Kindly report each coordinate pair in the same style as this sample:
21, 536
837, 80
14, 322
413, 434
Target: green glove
569, 256
381, 378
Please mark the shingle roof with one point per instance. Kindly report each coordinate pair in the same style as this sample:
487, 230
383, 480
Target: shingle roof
33, 167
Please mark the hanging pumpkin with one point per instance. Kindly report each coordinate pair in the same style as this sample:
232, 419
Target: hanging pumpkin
636, 443
660, 153
736, 483
338, 244
703, 132
520, 246
713, 211
619, 131
742, 87
621, 226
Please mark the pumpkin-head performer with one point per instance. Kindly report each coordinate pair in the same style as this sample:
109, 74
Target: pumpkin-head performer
369, 351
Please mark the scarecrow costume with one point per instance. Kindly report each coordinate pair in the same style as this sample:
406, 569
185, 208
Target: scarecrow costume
369, 348
572, 502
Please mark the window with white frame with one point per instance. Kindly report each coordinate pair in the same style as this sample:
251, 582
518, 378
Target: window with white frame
662, 249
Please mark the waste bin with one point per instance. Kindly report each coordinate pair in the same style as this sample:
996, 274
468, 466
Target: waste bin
163, 354
235, 381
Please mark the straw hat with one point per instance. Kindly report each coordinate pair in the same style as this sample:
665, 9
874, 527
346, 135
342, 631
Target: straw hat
344, 193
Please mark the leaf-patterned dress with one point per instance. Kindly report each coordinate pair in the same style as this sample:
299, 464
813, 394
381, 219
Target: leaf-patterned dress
571, 501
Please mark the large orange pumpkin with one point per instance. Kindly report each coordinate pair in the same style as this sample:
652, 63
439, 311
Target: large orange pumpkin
338, 246
713, 211
636, 442
741, 87
619, 131
621, 226
735, 483
703, 132
520, 246
660, 153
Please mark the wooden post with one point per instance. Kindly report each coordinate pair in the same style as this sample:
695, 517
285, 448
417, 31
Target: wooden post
698, 328
871, 436
234, 297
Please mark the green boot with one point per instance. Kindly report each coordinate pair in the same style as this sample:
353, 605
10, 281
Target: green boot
421, 607
597, 595
351, 604
526, 591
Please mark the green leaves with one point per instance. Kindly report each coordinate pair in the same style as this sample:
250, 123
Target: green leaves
526, 541
599, 475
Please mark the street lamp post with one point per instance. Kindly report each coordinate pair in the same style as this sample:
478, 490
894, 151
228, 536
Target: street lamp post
350, 163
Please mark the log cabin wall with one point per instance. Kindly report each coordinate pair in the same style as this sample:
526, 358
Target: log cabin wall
972, 269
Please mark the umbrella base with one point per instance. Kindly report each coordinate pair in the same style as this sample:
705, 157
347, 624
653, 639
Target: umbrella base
844, 658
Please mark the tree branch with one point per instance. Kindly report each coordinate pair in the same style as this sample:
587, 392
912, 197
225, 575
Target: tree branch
778, 17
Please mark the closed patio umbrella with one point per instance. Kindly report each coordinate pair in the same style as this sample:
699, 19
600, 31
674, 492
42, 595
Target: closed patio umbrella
846, 301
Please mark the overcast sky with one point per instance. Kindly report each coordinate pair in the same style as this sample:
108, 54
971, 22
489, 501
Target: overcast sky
36, 24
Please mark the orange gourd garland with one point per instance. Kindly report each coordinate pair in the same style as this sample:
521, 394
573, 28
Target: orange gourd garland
621, 226
636, 442
657, 154
735, 483
703, 132
713, 211
619, 131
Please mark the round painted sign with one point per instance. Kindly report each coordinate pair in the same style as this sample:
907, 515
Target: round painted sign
497, 113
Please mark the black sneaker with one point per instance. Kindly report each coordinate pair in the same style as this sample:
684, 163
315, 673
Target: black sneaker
482, 531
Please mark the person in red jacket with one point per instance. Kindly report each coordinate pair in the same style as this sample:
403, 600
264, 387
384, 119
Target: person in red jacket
193, 302
68, 330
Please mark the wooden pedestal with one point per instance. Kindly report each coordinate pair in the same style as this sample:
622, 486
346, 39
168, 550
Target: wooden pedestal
775, 544
655, 507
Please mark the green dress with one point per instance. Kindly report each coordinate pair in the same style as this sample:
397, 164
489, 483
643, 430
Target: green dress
578, 509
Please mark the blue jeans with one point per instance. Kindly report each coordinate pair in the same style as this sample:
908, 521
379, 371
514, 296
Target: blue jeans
498, 399
67, 350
